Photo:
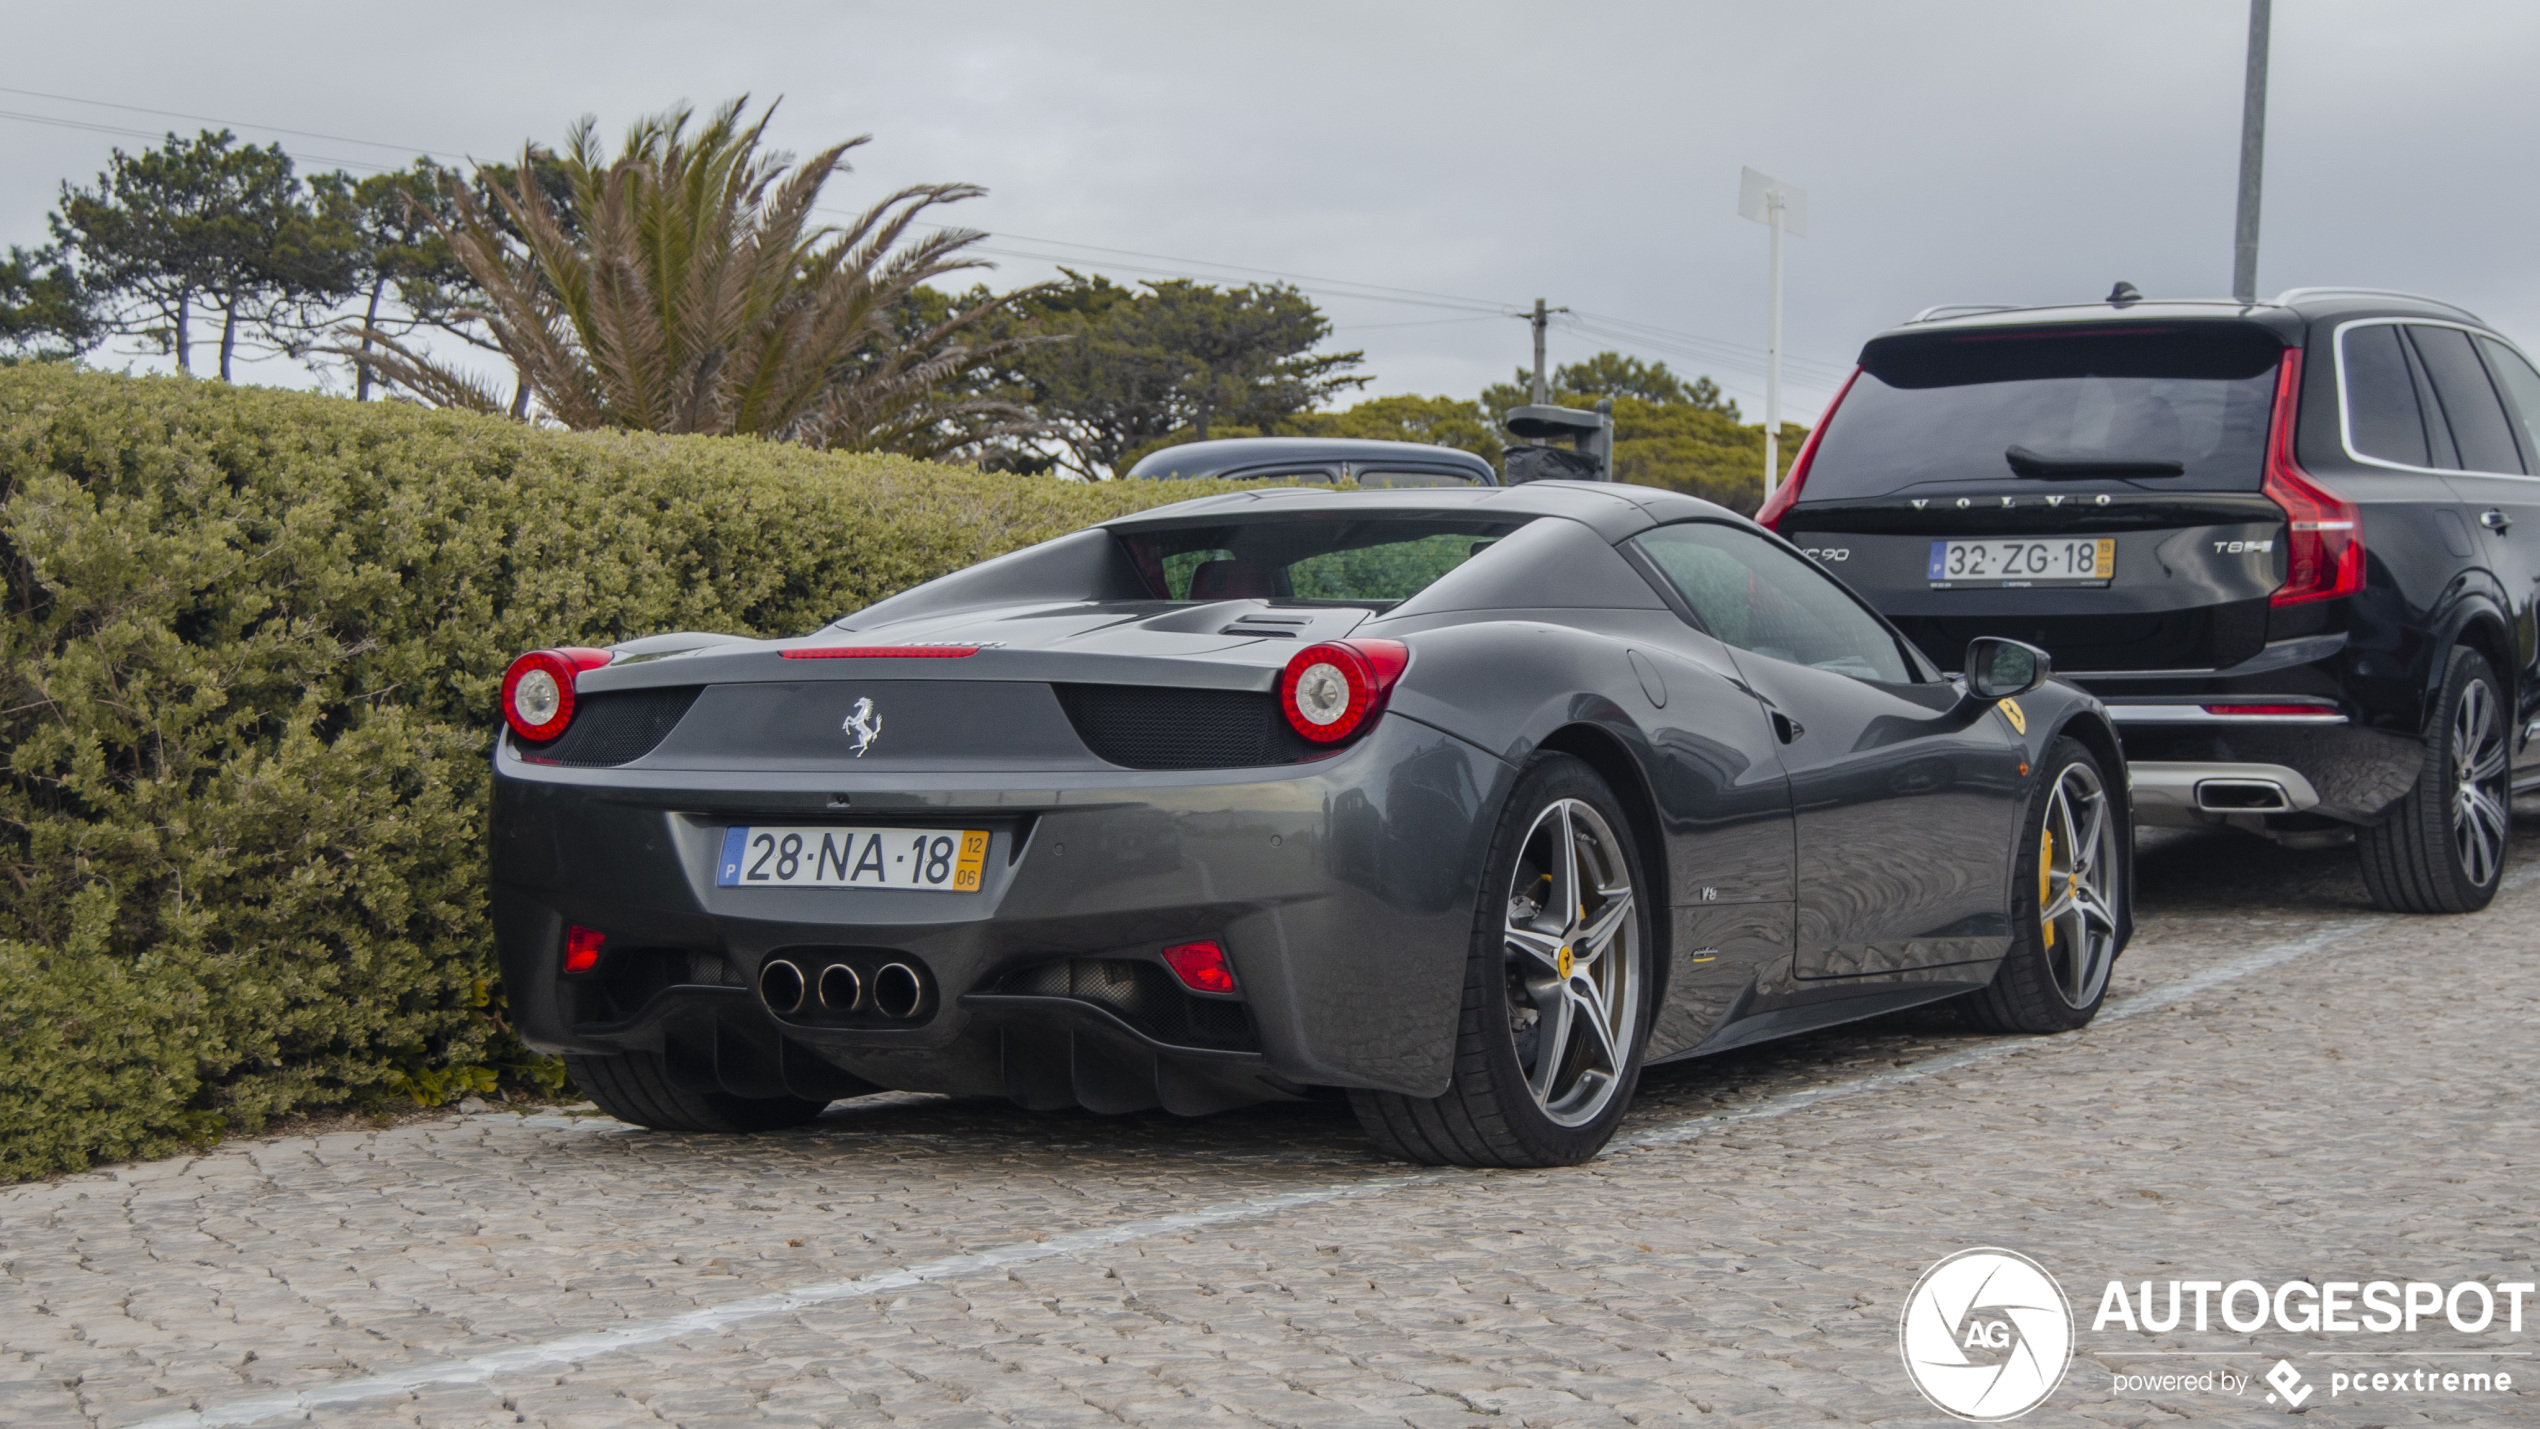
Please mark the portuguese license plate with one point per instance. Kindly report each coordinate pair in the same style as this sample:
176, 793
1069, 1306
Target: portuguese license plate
827, 856
1993, 564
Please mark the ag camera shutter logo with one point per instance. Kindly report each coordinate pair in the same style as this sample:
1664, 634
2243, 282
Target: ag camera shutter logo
1987, 1334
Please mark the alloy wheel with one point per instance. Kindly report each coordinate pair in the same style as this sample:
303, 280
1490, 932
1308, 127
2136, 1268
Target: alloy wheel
1573, 962
2077, 869
2478, 776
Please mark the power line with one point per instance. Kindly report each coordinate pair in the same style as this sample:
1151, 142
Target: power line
1400, 294
1688, 346
224, 123
1685, 346
1420, 322
1710, 354
302, 154
1322, 288
1643, 336
1710, 347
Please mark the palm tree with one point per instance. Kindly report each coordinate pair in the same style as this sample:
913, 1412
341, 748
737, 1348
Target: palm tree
684, 286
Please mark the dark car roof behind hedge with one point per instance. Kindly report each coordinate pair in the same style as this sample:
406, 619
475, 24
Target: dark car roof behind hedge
1232, 456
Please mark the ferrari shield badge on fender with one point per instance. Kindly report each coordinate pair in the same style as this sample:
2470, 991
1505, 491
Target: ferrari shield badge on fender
866, 726
2010, 711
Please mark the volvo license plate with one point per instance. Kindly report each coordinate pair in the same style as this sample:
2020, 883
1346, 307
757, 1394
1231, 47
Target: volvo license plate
827, 856
1971, 564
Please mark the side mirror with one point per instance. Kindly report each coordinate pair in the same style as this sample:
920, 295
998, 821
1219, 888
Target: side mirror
1998, 669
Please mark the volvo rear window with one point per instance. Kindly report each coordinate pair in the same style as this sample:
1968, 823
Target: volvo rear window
1355, 561
2161, 407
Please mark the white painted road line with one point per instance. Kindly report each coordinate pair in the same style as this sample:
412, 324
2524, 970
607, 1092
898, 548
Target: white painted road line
573, 1349
2148, 1000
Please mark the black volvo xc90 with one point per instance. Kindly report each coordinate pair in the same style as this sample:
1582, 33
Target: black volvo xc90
2292, 545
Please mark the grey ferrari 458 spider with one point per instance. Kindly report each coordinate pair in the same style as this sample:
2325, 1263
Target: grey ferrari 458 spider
1466, 805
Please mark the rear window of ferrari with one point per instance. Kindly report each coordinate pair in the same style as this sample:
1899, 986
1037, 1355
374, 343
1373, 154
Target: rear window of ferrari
2163, 406
1357, 561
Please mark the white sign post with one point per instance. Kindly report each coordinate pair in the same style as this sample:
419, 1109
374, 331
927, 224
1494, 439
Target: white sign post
1784, 209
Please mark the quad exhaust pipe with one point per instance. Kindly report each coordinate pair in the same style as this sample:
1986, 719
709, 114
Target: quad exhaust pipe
781, 986
896, 991
841, 988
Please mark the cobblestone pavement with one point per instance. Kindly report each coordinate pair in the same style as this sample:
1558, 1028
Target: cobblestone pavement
2286, 1085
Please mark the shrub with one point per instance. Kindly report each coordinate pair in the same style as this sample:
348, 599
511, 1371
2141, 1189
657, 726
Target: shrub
249, 647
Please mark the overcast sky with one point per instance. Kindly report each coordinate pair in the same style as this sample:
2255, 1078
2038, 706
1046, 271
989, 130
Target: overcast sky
1423, 168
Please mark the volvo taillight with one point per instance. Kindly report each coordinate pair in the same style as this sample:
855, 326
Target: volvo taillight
538, 689
1330, 691
2324, 533
1787, 494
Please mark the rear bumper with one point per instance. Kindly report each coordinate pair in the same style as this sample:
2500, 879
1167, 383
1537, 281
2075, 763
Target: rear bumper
2352, 753
2194, 772
2184, 794
1342, 890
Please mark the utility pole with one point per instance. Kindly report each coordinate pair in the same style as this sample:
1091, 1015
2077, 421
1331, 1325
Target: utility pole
1784, 209
1541, 318
2253, 153
1539, 425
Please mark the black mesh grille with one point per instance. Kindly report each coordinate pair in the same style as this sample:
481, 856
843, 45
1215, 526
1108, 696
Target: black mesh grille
615, 728
1146, 997
1150, 727
630, 977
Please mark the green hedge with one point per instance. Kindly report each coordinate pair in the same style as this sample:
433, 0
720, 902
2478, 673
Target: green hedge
249, 647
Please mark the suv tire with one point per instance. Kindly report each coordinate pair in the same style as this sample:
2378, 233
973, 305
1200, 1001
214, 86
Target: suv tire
1556, 1004
2442, 848
636, 1087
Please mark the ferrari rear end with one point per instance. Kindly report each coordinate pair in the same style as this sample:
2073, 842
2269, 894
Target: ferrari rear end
1103, 824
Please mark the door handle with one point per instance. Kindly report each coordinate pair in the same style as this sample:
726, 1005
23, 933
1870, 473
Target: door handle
2495, 520
1787, 728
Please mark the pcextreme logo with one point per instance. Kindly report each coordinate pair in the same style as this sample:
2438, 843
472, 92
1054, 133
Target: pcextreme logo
1987, 1334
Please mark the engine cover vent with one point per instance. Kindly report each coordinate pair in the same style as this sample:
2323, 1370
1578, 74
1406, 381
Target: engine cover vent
1154, 727
619, 727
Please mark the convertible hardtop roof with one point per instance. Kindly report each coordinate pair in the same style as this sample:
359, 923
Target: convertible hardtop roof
1613, 509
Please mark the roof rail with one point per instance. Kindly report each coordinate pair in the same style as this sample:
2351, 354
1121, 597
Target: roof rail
1952, 310
2293, 295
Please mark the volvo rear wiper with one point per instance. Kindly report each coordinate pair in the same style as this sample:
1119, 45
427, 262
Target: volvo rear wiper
2052, 466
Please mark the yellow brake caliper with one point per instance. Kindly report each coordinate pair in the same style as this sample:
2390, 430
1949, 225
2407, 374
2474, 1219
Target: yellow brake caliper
2046, 881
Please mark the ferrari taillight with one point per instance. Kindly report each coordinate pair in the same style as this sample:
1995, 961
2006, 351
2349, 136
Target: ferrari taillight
1201, 966
1330, 691
2324, 534
538, 689
582, 948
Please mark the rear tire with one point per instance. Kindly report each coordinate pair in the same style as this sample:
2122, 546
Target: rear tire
2070, 902
2442, 848
1556, 990
636, 1087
